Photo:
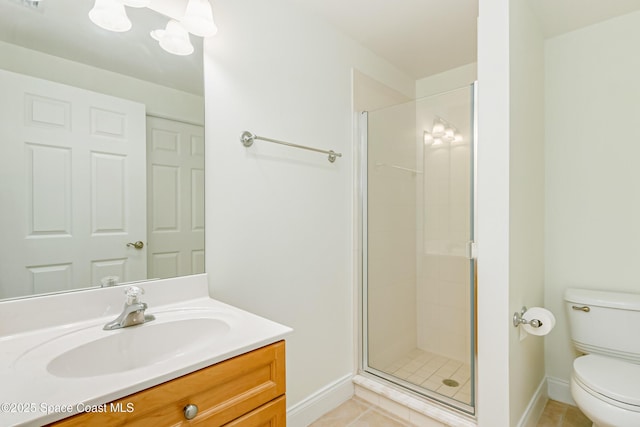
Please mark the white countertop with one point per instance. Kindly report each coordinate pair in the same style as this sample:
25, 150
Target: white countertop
31, 396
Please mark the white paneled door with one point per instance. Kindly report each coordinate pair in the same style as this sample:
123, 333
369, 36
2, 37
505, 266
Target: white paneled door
72, 187
175, 168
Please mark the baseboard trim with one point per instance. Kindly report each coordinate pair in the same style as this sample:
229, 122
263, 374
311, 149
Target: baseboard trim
536, 406
319, 403
560, 390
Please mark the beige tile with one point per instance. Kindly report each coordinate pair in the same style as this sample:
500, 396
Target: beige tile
343, 414
375, 418
575, 418
419, 420
558, 414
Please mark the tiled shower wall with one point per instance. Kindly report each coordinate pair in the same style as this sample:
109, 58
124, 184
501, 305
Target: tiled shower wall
444, 222
392, 234
419, 221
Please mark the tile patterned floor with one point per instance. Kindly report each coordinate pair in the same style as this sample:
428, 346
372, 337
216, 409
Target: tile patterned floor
358, 413
429, 370
558, 414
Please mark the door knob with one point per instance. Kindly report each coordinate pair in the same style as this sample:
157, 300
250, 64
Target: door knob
137, 245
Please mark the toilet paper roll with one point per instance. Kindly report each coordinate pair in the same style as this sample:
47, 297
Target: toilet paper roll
542, 314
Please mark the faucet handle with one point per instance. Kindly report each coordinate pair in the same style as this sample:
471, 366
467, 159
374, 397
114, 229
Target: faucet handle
133, 294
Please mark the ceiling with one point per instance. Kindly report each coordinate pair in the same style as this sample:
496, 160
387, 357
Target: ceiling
426, 37
420, 37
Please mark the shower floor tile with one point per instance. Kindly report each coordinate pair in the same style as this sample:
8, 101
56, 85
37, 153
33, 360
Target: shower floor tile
429, 370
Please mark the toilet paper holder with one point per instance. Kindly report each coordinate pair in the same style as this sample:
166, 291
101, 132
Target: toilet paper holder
518, 319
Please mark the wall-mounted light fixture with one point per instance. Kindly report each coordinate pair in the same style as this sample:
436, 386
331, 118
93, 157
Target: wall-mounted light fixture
197, 20
441, 132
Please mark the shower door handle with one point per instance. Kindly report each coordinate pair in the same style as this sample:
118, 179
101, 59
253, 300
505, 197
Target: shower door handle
471, 251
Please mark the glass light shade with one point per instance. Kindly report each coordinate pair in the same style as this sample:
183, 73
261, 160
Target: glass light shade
427, 138
448, 133
198, 18
437, 141
136, 3
174, 39
438, 128
110, 15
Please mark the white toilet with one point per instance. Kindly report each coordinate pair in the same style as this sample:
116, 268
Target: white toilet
605, 382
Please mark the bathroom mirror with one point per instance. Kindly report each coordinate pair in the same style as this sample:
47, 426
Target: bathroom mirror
101, 152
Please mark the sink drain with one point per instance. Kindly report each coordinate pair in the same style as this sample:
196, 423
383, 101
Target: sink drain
450, 383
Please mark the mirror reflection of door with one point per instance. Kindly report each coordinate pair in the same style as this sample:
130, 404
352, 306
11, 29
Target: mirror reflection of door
76, 148
175, 168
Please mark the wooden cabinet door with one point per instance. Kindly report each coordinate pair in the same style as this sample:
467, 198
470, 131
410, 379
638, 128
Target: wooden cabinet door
273, 414
222, 393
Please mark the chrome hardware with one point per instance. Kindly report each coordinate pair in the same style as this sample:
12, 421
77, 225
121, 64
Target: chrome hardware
190, 411
247, 139
519, 319
133, 311
584, 308
137, 245
471, 250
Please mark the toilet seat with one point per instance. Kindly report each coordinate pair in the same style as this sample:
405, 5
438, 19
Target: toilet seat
612, 380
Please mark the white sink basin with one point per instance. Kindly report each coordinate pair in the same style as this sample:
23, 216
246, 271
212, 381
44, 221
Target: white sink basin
174, 338
138, 346
55, 353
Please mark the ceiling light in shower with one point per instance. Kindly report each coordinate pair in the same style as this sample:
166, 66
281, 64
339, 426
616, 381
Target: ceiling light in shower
110, 15
441, 132
449, 133
427, 138
438, 127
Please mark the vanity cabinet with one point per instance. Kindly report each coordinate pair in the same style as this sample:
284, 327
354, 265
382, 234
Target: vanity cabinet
245, 391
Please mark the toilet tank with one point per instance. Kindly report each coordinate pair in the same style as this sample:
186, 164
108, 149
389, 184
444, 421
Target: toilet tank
606, 323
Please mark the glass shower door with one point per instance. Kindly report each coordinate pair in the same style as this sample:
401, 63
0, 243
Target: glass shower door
418, 287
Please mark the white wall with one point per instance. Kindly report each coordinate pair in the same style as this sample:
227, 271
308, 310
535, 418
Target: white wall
493, 213
159, 100
447, 80
510, 206
592, 176
280, 220
526, 206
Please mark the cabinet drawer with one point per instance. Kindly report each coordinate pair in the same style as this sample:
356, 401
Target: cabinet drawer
273, 414
222, 393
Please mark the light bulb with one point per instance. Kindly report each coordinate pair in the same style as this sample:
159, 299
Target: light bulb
174, 39
110, 15
438, 128
198, 18
448, 133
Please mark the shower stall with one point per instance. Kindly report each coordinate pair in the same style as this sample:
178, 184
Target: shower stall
418, 278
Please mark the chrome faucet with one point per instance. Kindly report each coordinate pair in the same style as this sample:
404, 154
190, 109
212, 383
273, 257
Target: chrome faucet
133, 311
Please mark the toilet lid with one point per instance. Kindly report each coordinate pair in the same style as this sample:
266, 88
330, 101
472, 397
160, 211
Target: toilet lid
616, 379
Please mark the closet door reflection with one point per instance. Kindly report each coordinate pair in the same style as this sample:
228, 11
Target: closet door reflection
418, 289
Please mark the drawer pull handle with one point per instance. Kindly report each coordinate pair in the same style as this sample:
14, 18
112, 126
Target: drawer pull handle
190, 411
583, 308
